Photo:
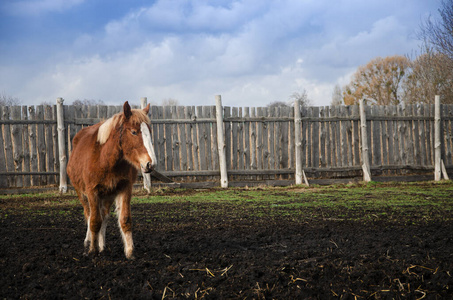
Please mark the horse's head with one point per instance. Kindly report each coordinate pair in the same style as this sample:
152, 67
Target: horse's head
136, 138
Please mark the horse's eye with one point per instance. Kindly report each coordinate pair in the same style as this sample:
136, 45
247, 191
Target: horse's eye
134, 132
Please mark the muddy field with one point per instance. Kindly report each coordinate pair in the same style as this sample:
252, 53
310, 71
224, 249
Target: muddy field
231, 250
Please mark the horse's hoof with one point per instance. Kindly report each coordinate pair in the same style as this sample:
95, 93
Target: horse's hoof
130, 257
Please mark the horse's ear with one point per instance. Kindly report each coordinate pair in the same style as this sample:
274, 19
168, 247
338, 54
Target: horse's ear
146, 109
127, 110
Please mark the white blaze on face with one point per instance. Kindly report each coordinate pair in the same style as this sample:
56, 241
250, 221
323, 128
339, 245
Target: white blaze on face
146, 135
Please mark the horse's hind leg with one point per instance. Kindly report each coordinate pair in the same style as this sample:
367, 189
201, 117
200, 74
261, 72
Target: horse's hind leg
123, 208
102, 233
86, 212
105, 205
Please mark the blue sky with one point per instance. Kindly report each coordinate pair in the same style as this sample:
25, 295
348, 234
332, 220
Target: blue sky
252, 52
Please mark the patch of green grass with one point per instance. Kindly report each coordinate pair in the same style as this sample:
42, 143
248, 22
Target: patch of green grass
30, 195
363, 201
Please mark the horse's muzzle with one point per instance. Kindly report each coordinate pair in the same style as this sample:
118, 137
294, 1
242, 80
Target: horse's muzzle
148, 168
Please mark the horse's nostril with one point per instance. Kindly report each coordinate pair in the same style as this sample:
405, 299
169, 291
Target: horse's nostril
149, 166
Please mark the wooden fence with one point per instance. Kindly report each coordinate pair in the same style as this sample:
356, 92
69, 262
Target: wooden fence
260, 143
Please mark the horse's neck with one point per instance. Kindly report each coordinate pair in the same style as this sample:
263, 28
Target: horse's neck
111, 151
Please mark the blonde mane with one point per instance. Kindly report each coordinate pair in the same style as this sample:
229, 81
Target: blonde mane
138, 116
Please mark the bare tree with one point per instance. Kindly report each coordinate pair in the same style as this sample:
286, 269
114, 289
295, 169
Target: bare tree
8, 100
302, 96
278, 104
170, 102
379, 81
439, 33
87, 102
431, 74
337, 96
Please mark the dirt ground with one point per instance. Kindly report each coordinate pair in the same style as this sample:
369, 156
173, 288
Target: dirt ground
206, 250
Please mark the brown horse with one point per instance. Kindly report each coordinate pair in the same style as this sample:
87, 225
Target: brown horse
102, 168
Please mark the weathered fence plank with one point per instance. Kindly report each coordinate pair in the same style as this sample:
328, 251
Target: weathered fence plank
271, 129
26, 147
3, 165
234, 137
247, 139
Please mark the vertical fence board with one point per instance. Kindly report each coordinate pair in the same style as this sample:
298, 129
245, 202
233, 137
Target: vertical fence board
292, 141
41, 140
410, 137
247, 141
162, 141
175, 145
49, 144
228, 146
201, 139
356, 135
334, 147
266, 152
3, 180
315, 138
309, 144
384, 137
26, 147
271, 130
422, 128
208, 130
330, 145
395, 136
195, 146
376, 137
241, 143
344, 136
389, 136
349, 133
259, 135
414, 137
403, 137
284, 139
182, 138
234, 138
18, 154
189, 141
168, 140
278, 134
322, 138
56, 161
429, 110
327, 138
214, 133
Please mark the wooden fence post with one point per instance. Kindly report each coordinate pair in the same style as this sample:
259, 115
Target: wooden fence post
146, 177
61, 146
365, 150
437, 143
221, 142
297, 141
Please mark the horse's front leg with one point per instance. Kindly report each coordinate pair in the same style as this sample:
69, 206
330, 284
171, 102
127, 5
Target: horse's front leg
94, 224
123, 209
